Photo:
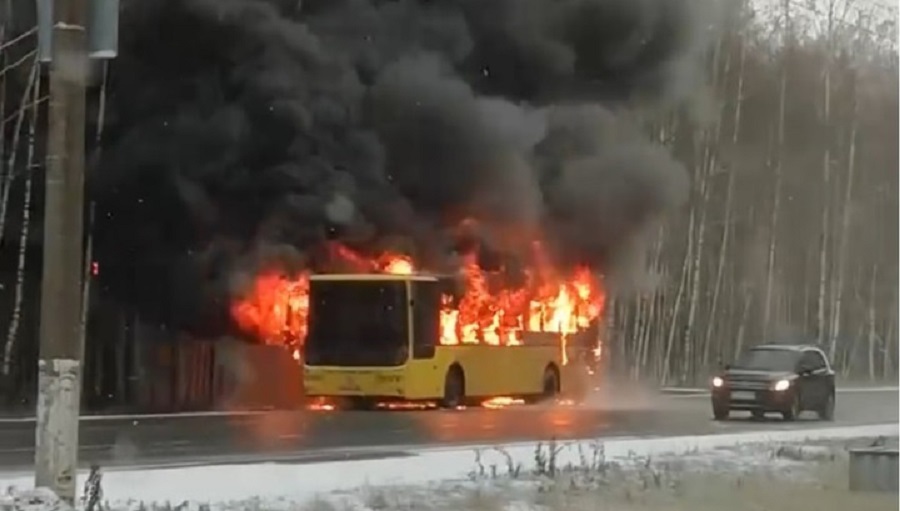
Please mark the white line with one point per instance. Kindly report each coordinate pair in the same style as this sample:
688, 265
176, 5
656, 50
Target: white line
867, 389
696, 392
153, 416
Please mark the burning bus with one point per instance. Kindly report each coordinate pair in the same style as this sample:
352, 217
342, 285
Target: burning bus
392, 334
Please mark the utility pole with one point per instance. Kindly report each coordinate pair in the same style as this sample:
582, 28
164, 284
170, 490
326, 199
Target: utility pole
61, 337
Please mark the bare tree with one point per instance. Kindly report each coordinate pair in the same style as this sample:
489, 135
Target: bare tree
13, 329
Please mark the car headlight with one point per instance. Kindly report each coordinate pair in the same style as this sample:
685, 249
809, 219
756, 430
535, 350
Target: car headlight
782, 385
717, 382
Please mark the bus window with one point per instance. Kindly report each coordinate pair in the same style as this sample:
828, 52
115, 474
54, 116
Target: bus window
426, 319
357, 323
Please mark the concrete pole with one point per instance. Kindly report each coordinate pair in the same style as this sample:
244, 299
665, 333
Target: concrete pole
61, 338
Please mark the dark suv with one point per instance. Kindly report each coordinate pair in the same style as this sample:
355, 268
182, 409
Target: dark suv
788, 379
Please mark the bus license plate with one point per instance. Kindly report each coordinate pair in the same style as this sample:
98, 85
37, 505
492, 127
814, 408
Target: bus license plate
743, 395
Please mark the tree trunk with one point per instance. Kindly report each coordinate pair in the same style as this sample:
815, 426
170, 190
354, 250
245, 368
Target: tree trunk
654, 305
639, 324
890, 343
729, 197
679, 296
9, 175
742, 325
838, 291
872, 336
720, 269
778, 169
648, 343
824, 241
807, 285
687, 362
3, 82
12, 331
772, 249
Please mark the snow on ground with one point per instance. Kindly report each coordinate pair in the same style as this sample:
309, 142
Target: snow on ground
448, 469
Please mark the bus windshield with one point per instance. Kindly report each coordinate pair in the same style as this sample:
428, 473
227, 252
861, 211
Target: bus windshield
357, 323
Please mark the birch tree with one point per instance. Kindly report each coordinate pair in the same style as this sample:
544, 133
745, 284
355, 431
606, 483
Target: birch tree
16, 317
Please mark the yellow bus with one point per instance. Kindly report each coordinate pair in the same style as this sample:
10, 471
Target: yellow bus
375, 338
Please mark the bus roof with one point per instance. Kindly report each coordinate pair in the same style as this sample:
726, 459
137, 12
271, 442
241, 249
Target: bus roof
346, 277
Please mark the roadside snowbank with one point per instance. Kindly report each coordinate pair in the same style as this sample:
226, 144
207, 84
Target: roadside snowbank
299, 483
763, 482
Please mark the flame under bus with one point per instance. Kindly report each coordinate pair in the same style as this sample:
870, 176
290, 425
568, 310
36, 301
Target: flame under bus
375, 338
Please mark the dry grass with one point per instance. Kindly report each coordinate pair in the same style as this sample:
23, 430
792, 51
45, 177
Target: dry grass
826, 490
818, 486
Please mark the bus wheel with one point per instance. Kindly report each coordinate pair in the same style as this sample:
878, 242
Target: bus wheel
551, 383
454, 388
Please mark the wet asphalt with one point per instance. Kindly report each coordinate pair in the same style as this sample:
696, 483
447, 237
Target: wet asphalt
309, 436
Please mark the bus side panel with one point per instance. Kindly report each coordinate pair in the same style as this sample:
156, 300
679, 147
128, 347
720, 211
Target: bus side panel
425, 378
489, 371
481, 369
486, 369
529, 363
492, 371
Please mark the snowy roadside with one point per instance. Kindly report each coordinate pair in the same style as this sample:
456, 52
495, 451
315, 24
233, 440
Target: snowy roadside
443, 471
750, 477
774, 477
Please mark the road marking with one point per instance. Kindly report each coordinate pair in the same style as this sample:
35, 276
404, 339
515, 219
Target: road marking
97, 447
679, 393
871, 389
154, 416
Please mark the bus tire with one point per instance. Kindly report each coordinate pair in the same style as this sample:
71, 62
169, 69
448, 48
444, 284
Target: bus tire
550, 386
454, 388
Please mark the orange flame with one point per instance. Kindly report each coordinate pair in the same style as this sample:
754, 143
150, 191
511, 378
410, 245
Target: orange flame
276, 308
398, 265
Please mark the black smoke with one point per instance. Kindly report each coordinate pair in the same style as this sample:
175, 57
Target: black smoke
242, 131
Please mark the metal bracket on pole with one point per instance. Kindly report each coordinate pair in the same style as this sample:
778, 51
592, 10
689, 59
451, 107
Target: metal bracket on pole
102, 29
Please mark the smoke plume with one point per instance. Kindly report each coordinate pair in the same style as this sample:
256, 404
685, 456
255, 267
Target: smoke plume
245, 131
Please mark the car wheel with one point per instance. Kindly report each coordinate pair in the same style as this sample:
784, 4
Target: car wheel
793, 412
826, 413
721, 413
454, 389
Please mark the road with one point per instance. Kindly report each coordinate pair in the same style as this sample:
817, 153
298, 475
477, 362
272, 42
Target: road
316, 435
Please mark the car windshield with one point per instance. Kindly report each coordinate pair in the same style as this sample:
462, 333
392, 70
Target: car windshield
768, 360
